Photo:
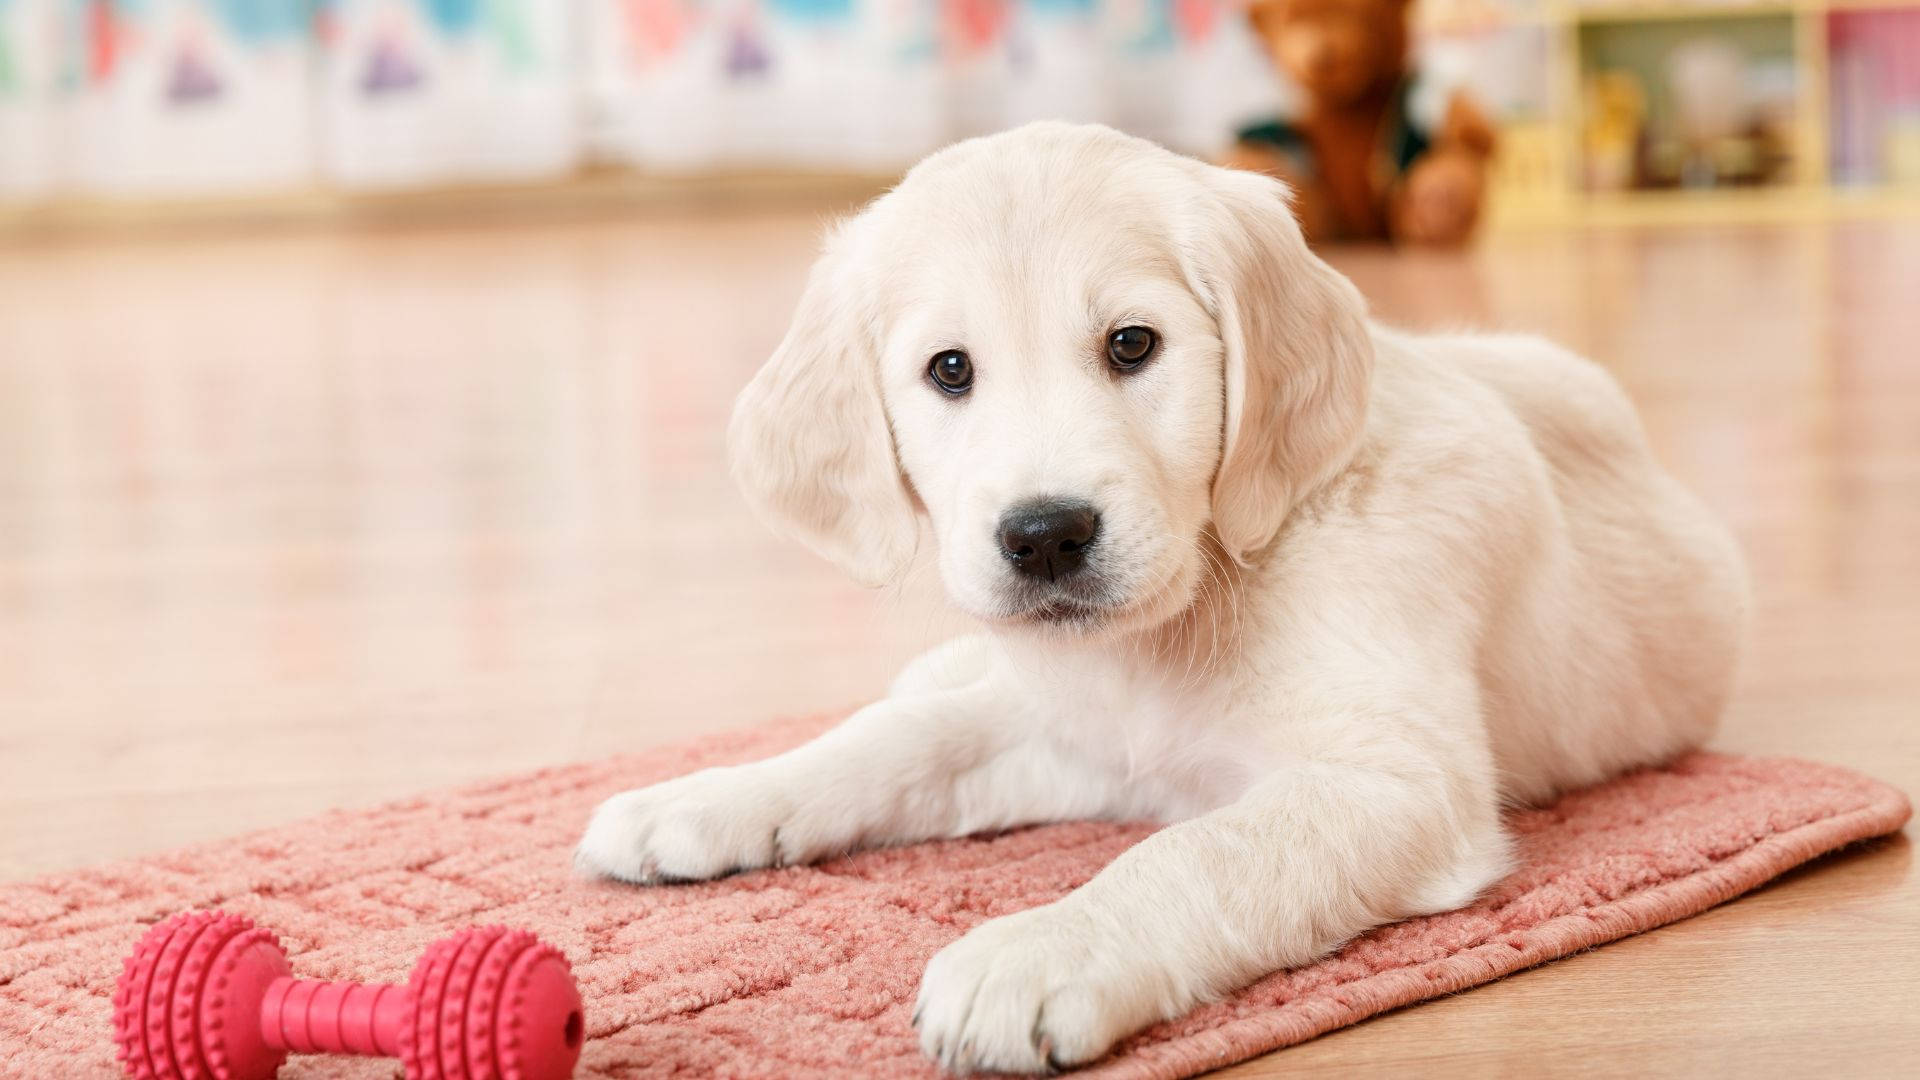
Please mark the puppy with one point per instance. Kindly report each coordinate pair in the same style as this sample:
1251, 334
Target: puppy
1321, 595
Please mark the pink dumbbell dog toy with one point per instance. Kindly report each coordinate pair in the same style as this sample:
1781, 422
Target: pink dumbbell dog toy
208, 996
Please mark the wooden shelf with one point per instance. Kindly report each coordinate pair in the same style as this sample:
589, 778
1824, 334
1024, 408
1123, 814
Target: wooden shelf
1670, 12
1554, 143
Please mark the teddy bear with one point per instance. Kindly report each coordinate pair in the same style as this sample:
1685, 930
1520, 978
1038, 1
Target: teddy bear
1375, 152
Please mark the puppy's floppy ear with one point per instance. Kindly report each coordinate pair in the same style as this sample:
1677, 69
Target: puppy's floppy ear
1298, 355
809, 440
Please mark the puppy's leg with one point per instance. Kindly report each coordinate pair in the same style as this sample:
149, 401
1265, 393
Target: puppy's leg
951, 752
1313, 854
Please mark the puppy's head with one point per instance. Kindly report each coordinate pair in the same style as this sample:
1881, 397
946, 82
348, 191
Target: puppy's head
1089, 361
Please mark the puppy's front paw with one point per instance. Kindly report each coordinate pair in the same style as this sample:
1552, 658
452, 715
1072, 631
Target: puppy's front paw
1036, 992
699, 826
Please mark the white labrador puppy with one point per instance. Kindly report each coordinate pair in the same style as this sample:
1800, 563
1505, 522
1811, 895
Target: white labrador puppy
1324, 595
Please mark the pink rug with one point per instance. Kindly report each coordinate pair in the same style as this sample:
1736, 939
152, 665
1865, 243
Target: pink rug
811, 971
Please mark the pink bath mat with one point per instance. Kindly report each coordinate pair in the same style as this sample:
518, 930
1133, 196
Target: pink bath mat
811, 971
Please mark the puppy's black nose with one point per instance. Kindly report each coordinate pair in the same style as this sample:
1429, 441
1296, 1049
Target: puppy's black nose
1048, 538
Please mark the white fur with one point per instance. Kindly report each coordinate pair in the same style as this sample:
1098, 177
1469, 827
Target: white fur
1362, 587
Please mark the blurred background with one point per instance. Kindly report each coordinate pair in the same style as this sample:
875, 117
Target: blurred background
1782, 106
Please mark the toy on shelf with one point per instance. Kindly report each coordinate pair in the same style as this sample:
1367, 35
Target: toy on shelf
1374, 151
207, 994
1616, 124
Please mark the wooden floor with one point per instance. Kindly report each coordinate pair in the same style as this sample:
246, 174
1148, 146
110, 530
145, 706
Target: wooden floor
311, 519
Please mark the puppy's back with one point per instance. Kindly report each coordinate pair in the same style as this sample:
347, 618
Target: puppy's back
1652, 604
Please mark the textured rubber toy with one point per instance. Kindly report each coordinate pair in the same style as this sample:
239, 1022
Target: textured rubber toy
210, 996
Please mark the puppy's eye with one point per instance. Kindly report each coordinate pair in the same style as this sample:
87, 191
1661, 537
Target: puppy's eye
951, 371
1130, 346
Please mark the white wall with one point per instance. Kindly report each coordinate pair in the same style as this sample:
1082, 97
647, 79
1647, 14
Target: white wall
184, 97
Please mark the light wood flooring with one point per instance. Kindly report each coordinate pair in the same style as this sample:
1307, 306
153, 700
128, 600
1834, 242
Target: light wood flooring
318, 518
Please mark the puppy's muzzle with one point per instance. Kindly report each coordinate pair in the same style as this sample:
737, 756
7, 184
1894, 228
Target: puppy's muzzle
1047, 539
